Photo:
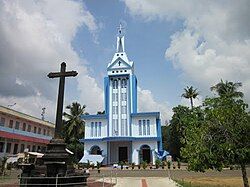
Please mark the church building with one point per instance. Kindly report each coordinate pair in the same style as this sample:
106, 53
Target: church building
122, 133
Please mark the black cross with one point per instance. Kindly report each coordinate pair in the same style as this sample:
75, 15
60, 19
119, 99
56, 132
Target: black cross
62, 74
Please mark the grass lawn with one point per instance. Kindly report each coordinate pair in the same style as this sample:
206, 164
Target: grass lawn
212, 182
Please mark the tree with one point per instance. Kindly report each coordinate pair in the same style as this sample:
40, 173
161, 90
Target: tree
165, 130
74, 126
222, 138
228, 89
190, 93
178, 123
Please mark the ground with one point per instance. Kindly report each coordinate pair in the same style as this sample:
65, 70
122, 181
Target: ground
148, 178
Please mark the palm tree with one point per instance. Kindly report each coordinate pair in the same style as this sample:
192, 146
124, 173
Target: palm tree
74, 128
228, 89
190, 93
74, 125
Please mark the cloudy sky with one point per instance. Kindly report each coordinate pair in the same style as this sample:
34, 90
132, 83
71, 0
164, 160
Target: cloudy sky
173, 44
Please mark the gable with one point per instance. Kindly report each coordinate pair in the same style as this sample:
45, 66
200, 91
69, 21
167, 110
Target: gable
119, 64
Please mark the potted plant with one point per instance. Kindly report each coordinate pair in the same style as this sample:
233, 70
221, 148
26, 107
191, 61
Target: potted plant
157, 163
173, 165
133, 165
144, 164
93, 166
163, 164
178, 163
150, 165
98, 165
88, 164
139, 166
121, 163
169, 164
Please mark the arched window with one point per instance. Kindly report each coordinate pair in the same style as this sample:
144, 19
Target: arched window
95, 150
124, 83
115, 84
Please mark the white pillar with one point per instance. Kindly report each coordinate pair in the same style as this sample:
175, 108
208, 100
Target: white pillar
153, 155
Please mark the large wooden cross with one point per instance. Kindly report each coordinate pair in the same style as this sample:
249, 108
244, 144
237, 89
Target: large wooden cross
62, 74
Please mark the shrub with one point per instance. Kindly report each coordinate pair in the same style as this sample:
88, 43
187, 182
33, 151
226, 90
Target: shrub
169, 164
133, 165
144, 165
157, 163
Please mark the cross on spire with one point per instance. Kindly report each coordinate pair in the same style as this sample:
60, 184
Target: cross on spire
120, 29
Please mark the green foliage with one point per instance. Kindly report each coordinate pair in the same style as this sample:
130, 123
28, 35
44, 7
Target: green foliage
183, 118
169, 164
3, 165
78, 149
88, 164
157, 163
190, 93
219, 134
98, 165
165, 131
133, 165
144, 164
73, 129
228, 89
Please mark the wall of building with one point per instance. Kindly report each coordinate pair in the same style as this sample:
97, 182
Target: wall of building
18, 132
103, 128
136, 145
135, 126
114, 151
103, 146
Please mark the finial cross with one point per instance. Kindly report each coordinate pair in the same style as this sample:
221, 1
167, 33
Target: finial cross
120, 28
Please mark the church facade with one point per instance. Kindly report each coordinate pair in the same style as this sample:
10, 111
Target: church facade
122, 133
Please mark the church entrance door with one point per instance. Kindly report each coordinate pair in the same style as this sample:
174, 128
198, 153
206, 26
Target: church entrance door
123, 154
145, 153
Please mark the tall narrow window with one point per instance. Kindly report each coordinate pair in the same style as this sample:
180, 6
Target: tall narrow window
29, 128
140, 130
144, 127
2, 122
124, 109
124, 96
92, 129
124, 83
122, 128
17, 125
115, 127
99, 128
24, 126
95, 129
148, 127
125, 127
34, 129
115, 84
11, 124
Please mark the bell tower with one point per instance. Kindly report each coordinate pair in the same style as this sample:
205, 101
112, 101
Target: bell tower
120, 90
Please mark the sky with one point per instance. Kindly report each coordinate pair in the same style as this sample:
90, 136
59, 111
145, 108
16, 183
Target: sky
173, 44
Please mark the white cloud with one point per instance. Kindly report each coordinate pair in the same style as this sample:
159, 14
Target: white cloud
214, 43
147, 103
35, 38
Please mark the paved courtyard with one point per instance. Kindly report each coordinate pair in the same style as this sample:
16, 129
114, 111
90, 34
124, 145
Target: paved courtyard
144, 182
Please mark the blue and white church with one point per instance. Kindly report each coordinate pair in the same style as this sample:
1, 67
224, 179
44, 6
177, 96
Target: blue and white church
122, 133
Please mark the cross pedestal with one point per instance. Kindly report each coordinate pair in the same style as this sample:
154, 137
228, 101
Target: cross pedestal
56, 157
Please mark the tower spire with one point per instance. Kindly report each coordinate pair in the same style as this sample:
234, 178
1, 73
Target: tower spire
120, 40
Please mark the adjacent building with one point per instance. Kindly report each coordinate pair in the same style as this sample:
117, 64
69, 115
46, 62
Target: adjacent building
122, 133
19, 131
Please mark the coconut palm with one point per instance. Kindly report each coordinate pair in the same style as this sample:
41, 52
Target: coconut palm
190, 93
74, 125
228, 89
